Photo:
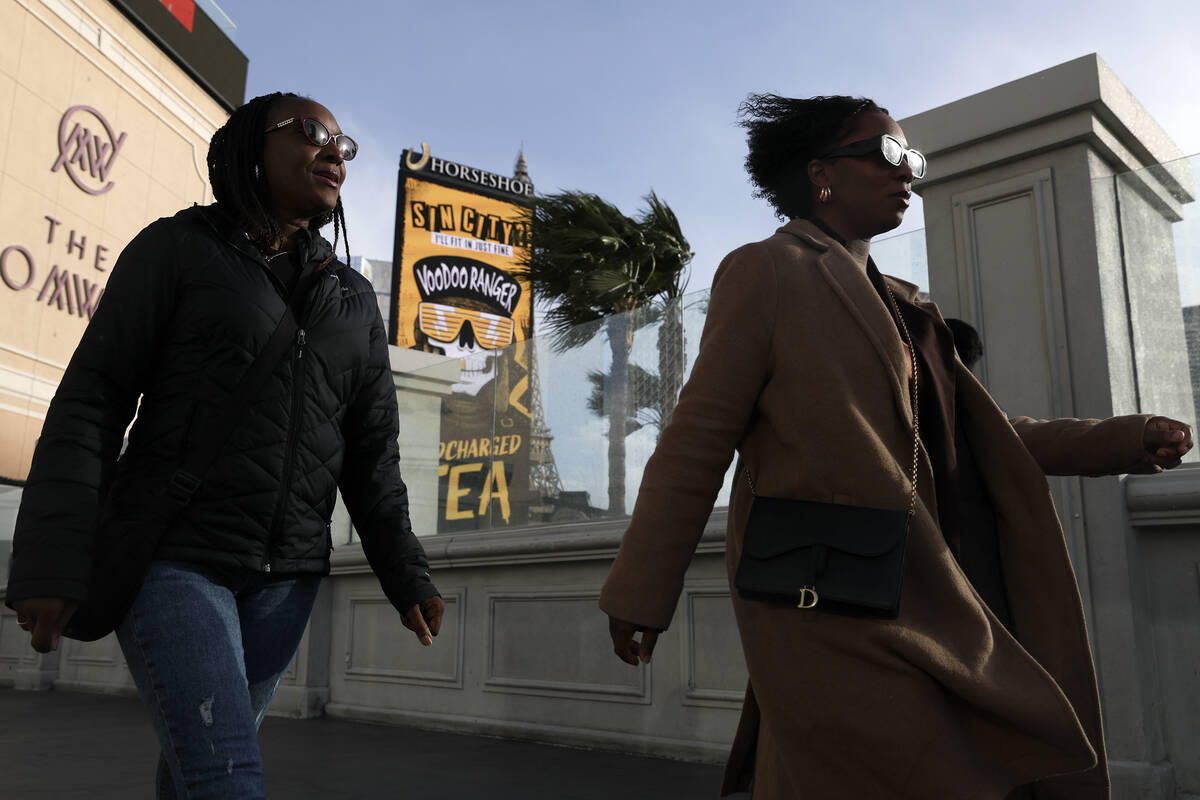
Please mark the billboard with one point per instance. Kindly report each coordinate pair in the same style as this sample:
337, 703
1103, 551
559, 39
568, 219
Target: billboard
198, 40
459, 238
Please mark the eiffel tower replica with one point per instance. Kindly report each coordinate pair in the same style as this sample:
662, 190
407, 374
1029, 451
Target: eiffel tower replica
544, 482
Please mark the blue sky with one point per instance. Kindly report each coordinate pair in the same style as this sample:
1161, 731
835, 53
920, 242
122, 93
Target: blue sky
619, 97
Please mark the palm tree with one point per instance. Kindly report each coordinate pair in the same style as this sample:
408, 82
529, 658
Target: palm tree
671, 354
590, 266
643, 398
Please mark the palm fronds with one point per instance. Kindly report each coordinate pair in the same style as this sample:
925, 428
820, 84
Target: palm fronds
587, 261
590, 267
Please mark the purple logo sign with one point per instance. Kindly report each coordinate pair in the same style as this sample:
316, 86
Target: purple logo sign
87, 153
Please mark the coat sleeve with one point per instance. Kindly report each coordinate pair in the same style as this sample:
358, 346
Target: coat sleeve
372, 487
85, 424
1089, 447
683, 477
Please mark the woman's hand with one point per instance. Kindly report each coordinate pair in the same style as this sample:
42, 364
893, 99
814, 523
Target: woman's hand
625, 647
1167, 441
425, 619
44, 618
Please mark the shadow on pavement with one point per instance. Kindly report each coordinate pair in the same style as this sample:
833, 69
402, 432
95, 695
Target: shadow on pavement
100, 747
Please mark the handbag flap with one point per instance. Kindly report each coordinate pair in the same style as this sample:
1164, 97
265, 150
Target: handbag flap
777, 526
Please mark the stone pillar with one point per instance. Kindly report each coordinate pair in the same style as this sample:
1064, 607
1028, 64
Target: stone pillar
36, 671
10, 501
421, 380
1068, 273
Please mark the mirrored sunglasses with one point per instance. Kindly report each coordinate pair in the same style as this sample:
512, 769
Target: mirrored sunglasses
444, 323
318, 135
889, 146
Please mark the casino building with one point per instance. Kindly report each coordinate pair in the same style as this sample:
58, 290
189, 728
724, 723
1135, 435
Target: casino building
106, 109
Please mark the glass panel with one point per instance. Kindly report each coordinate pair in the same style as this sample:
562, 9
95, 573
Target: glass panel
529, 443
1186, 235
903, 255
523, 435
1157, 269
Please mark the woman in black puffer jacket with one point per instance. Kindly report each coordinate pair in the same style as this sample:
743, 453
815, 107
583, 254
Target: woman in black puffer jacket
190, 305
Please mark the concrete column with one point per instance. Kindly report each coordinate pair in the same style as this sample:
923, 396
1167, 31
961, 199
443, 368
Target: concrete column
421, 380
36, 671
10, 501
1068, 273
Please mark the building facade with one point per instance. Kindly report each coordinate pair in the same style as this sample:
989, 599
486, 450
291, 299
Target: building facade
106, 110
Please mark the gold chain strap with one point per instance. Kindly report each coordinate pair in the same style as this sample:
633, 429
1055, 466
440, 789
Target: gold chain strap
912, 356
916, 370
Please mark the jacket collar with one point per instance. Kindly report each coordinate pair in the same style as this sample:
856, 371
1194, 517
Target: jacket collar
316, 250
850, 283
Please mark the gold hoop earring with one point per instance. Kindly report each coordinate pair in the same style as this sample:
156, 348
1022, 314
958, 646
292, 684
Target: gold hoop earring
825, 194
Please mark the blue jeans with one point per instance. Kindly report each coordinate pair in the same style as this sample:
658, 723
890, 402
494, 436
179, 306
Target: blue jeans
207, 654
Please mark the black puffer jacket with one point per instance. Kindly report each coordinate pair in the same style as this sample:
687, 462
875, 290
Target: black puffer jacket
188, 307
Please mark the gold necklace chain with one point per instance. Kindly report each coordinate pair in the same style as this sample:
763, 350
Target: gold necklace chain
916, 369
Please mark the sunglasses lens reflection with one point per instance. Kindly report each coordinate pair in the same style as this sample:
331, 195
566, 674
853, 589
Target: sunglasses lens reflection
895, 153
317, 133
892, 150
916, 162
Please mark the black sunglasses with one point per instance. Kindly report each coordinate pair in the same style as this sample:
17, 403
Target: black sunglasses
319, 136
889, 146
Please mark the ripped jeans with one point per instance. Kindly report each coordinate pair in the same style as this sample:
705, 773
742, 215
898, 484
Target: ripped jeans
207, 655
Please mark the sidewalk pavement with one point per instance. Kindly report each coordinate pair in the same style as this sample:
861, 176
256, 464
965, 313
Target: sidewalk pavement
60, 745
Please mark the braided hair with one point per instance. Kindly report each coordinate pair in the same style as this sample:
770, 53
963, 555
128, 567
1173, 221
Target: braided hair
238, 177
784, 134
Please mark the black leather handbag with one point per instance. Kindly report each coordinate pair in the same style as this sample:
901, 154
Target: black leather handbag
826, 556
846, 559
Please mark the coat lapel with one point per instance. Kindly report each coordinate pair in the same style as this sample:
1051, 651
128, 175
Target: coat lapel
852, 286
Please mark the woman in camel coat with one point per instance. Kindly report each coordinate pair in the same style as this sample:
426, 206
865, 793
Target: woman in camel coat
983, 685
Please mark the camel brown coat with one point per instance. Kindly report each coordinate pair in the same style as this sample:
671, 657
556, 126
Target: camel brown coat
802, 371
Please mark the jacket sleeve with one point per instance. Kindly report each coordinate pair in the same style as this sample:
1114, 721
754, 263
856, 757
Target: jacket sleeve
1089, 447
682, 478
85, 425
372, 487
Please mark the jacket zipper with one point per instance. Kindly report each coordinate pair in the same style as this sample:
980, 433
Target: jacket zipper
290, 445
297, 392
298, 386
